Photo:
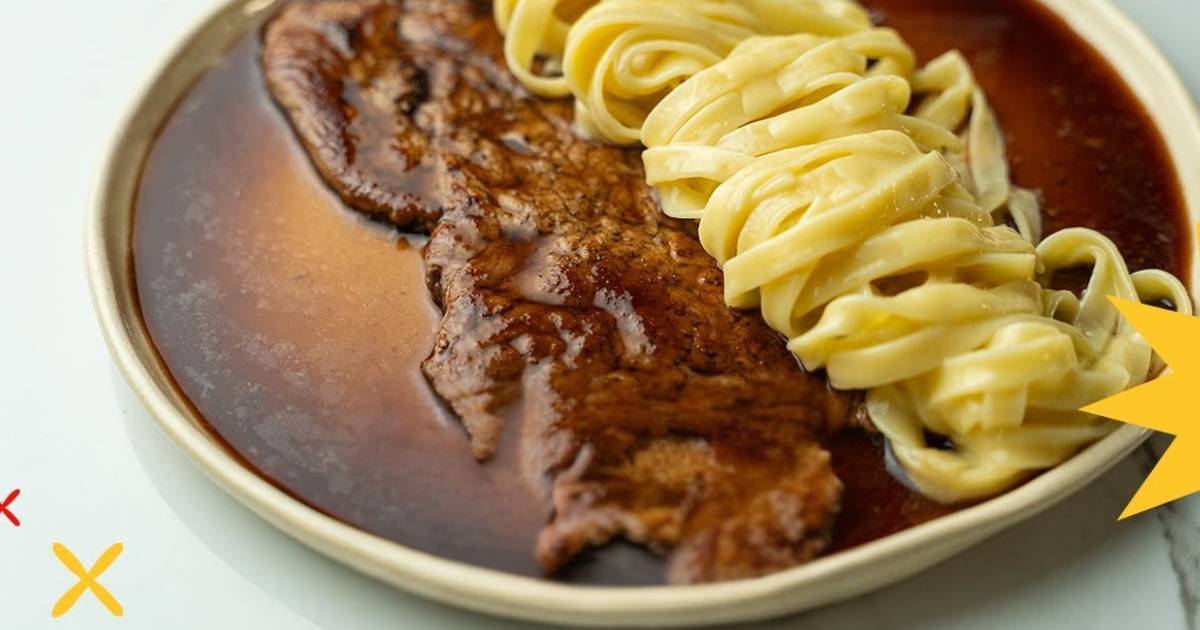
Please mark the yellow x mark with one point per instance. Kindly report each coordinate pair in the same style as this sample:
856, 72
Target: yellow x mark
87, 580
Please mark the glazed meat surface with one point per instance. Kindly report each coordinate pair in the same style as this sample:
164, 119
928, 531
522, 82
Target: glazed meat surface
576, 315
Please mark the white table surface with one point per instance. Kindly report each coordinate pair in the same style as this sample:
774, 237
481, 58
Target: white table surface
94, 469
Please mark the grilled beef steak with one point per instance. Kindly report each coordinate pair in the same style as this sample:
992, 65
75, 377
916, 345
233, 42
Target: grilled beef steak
645, 408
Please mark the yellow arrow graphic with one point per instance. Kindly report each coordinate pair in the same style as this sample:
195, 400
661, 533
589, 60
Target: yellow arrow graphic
1166, 405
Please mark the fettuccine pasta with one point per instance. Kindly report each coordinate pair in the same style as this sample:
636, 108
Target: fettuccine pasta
619, 57
865, 206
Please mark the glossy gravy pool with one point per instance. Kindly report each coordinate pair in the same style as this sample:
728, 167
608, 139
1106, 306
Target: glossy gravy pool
297, 329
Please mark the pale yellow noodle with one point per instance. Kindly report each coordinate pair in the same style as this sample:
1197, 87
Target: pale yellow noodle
860, 202
619, 57
536, 28
952, 99
1010, 403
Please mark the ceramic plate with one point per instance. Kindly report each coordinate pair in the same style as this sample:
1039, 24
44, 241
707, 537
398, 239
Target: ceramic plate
826, 580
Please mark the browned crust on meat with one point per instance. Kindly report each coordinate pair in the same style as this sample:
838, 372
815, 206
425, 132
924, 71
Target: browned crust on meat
307, 57
645, 408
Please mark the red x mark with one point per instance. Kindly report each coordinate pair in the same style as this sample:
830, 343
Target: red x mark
12, 518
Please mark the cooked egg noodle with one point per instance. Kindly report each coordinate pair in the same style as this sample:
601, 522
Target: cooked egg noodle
865, 206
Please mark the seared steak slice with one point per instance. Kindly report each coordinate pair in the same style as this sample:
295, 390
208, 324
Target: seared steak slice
367, 151
647, 409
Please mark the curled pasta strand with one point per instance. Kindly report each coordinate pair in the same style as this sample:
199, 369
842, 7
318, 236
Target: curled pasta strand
861, 204
619, 57
948, 96
535, 28
620, 61
1009, 406
868, 236
818, 89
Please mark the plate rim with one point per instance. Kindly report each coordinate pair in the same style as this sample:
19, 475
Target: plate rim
108, 257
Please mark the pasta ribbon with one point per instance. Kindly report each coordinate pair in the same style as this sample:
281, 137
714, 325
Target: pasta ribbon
620, 57
536, 28
1009, 404
954, 101
718, 123
865, 206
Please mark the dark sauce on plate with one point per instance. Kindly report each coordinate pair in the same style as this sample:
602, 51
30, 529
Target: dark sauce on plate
296, 328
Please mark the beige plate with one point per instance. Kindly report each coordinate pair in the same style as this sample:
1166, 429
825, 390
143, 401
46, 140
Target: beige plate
829, 579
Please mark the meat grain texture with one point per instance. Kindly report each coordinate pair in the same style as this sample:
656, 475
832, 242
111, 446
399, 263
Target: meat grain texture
573, 308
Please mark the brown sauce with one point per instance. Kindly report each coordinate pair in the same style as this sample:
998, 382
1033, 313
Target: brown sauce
297, 329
